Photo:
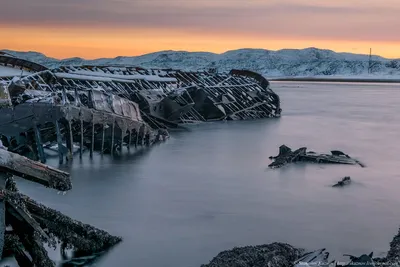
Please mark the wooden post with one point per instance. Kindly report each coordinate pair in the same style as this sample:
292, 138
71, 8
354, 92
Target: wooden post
137, 139
92, 143
122, 139
39, 144
71, 141
64, 96
112, 138
102, 139
130, 140
59, 142
81, 143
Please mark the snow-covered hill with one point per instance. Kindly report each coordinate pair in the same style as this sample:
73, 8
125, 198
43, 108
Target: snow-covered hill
308, 62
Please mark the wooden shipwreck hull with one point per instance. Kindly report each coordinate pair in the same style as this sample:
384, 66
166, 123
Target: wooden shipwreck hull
171, 95
107, 108
96, 120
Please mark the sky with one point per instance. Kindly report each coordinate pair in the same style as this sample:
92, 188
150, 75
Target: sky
109, 28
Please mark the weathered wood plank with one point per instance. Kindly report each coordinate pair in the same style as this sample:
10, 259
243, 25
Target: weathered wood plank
81, 236
34, 171
14, 247
24, 217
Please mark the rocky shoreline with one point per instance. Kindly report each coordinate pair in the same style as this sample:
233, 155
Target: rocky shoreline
275, 254
285, 255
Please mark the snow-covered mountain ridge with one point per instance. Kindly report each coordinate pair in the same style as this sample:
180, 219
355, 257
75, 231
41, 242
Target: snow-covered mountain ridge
309, 62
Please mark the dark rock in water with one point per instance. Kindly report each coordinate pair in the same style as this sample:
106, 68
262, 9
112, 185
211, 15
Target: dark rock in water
302, 155
338, 153
287, 156
283, 150
276, 254
345, 181
363, 261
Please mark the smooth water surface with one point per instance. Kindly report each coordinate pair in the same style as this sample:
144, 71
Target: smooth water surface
208, 189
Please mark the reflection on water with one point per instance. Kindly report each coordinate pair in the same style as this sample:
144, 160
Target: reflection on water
208, 189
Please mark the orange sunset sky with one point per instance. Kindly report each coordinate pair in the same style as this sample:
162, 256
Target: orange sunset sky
109, 28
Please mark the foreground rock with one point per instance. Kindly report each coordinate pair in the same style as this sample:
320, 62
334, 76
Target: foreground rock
286, 156
393, 256
363, 261
276, 254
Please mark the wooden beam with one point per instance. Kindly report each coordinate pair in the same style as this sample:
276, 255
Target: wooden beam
92, 143
59, 142
122, 139
70, 142
34, 171
102, 140
112, 138
39, 144
25, 218
14, 247
130, 140
81, 143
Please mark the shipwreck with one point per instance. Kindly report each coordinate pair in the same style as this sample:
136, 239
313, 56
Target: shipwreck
106, 108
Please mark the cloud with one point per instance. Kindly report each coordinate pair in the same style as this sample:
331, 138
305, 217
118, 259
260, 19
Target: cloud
345, 20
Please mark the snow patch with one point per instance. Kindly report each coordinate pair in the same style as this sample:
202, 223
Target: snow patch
11, 72
108, 77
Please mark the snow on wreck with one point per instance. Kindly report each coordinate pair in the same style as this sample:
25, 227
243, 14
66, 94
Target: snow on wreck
176, 96
11, 66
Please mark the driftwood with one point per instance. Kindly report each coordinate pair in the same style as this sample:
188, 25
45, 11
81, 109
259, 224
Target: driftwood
286, 156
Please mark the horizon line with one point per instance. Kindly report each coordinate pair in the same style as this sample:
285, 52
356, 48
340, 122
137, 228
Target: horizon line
195, 51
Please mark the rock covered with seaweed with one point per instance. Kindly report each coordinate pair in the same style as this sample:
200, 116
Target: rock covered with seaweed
275, 254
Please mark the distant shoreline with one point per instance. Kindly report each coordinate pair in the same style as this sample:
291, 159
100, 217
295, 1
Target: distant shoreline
353, 80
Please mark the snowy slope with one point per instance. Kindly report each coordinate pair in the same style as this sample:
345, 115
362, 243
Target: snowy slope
308, 62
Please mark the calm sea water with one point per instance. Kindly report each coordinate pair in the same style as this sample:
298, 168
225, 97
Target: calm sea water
206, 190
